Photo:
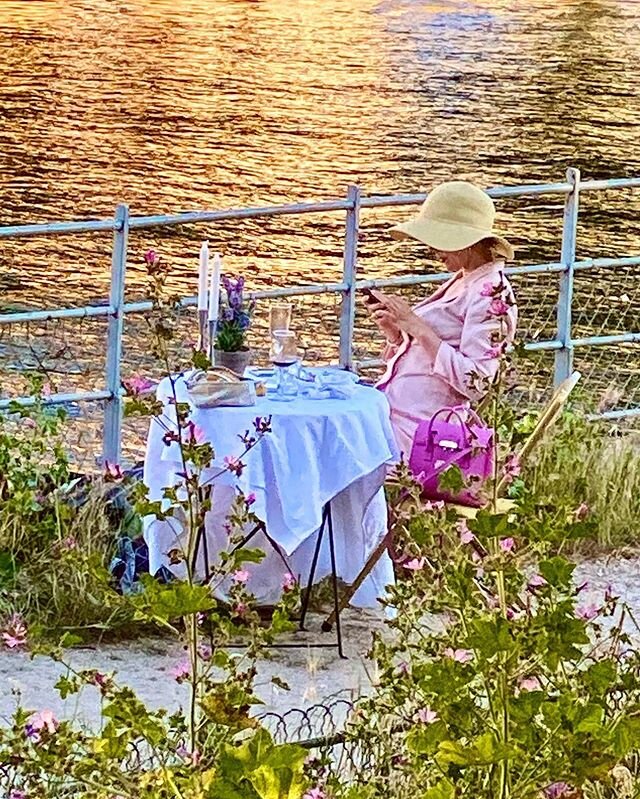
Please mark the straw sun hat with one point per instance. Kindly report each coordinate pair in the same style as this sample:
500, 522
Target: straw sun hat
454, 216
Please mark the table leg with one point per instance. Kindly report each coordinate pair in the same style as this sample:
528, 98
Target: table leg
334, 578
314, 563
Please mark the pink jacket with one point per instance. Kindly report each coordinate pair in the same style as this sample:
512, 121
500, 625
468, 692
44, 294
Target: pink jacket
416, 384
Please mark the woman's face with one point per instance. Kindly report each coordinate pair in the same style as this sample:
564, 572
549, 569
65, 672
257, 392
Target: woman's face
454, 261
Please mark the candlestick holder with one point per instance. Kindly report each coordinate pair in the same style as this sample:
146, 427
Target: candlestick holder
203, 316
213, 327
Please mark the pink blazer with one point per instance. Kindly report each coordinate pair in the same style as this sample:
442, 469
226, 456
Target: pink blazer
417, 384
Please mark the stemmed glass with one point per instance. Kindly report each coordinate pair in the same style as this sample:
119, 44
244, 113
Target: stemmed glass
280, 316
284, 356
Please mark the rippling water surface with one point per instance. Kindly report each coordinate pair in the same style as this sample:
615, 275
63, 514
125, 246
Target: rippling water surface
174, 105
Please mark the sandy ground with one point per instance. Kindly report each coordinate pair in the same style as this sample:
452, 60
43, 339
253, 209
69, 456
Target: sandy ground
314, 675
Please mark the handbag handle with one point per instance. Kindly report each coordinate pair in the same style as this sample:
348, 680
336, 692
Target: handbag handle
451, 412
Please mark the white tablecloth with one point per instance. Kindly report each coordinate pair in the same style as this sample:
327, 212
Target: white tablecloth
319, 451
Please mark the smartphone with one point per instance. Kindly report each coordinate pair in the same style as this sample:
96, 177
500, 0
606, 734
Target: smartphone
369, 297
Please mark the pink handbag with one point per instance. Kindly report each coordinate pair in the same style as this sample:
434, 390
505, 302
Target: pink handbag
451, 439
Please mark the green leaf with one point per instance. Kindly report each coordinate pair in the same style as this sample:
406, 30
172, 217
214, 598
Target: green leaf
8, 568
164, 603
590, 719
424, 739
443, 790
557, 571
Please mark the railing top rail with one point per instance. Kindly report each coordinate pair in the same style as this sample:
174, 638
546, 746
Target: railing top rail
327, 206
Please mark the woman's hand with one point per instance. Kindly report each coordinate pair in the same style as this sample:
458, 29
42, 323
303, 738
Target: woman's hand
397, 313
384, 319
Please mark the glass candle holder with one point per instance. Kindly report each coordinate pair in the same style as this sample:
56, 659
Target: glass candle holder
285, 357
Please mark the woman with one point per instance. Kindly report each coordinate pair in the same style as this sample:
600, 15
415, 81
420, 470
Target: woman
445, 351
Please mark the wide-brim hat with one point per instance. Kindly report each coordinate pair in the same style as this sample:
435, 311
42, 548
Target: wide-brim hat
454, 216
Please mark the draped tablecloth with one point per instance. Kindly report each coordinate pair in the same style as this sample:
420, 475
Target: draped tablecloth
324, 450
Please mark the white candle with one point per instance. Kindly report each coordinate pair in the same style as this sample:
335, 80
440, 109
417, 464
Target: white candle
214, 288
202, 276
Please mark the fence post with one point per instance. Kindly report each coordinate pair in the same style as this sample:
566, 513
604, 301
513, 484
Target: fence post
113, 406
348, 306
564, 356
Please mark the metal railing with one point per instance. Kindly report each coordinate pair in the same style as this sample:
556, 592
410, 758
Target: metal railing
563, 345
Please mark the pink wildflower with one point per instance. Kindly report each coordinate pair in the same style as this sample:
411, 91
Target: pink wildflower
195, 434
459, 655
250, 499
427, 716
41, 722
581, 512
558, 790
435, 505
466, 536
137, 385
483, 436
234, 465
151, 257
536, 581
15, 634
315, 793
69, 544
204, 651
498, 307
240, 576
240, 609
511, 467
190, 757
17, 794
587, 612
112, 471
29, 423
529, 684
289, 582
507, 544
415, 564
497, 351
181, 671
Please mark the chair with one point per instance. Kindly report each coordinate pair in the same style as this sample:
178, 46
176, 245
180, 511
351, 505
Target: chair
503, 505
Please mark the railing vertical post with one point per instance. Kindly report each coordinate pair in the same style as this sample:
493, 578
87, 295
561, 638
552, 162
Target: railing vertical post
348, 307
113, 406
564, 356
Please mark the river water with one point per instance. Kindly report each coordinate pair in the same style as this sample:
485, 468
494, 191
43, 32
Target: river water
175, 105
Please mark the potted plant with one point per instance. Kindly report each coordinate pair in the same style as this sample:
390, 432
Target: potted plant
234, 320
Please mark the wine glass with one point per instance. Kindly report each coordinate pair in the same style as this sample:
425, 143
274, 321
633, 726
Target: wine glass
279, 316
284, 356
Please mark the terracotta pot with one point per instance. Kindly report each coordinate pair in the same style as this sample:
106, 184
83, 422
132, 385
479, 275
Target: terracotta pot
236, 361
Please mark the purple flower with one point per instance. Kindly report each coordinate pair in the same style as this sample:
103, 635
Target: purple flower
497, 351
581, 512
39, 723
289, 582
16, 794
483, 436
181, 671
315, 793
529, 684
250, 499
511, 467
466, 536
507, 545
234, 465
459, 655
558, 790
434, 505
112, 472
240, 576
193, 758
536, 581
587, 612
15, 633
195, 434
415, 564
427, 716
137, 385
151, 257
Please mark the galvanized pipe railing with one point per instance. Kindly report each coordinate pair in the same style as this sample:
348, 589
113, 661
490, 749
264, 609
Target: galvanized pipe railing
115, 311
